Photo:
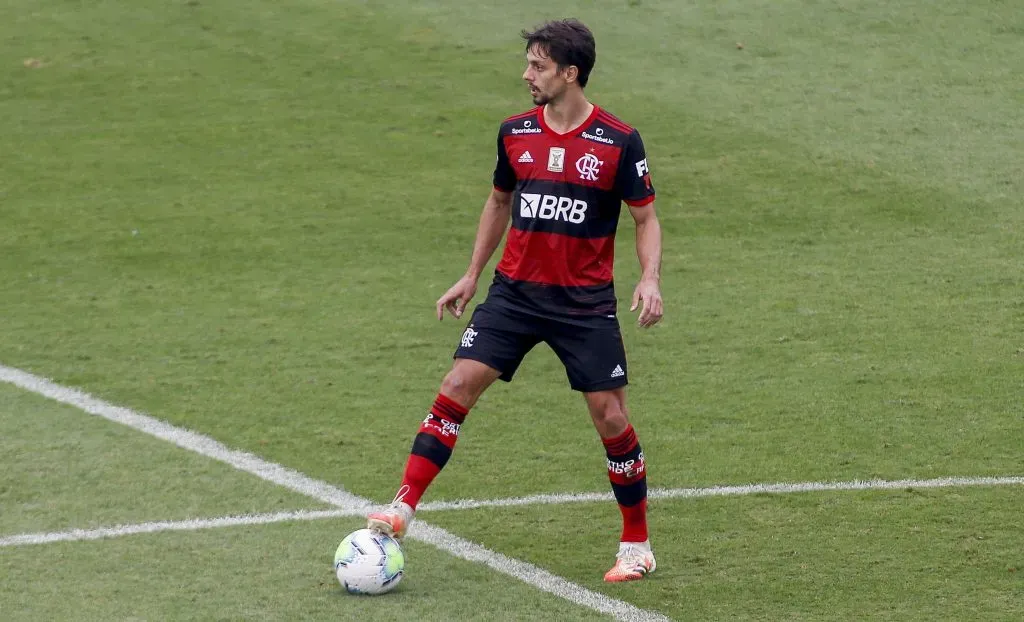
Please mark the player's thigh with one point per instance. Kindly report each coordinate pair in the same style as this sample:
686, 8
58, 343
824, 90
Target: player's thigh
594, 356
498, 338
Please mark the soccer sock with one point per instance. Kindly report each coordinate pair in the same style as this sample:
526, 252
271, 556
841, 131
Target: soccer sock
628, 474
432, 447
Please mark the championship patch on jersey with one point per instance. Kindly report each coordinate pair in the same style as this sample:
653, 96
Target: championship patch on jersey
556, 159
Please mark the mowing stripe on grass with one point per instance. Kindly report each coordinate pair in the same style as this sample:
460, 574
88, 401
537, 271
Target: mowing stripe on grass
185, 439
282, 476
726, 491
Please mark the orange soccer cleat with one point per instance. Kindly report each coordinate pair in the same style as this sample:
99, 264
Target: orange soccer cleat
634, 561
393, 520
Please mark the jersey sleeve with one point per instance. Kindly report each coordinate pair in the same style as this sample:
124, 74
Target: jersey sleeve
504, 175
634, 178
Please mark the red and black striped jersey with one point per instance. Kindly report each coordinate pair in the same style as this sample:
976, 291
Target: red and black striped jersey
567, 194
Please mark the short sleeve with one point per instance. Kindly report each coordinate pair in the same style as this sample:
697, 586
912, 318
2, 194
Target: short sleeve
504, 175
634, 178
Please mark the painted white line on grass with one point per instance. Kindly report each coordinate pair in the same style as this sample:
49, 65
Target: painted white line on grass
116, 531
467, 550
277, 474
725, 491
471, 504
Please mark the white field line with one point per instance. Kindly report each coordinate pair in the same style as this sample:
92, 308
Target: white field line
726, 491
470, 504
282, 476
76, 535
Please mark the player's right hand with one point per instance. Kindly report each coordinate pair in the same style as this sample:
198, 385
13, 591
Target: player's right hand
456, 298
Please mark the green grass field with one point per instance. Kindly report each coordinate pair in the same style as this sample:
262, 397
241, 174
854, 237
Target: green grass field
236, 217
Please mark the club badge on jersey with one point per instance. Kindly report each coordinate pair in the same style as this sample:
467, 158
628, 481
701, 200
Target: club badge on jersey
589, 167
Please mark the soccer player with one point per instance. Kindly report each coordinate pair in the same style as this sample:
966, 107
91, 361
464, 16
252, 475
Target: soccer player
564, 168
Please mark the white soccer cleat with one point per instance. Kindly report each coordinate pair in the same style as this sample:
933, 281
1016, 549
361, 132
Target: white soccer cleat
393, 520
634, 561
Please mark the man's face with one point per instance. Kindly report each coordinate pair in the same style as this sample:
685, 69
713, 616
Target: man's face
546, 82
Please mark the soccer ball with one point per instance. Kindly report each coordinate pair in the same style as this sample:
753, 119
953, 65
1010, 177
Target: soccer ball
368, 562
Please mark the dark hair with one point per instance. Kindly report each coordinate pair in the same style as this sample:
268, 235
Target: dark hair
568, 42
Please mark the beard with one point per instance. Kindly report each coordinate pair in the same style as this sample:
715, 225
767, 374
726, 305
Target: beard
539, 98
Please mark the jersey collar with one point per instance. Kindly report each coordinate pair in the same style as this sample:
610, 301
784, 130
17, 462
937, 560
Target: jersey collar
583, 126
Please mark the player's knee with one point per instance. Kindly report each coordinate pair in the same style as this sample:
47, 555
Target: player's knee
453, 383
457, 387
610, 418
615, 418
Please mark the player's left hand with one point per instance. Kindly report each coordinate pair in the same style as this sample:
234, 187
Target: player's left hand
648, 292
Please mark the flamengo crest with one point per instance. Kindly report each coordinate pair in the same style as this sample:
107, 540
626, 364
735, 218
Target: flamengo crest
589, 167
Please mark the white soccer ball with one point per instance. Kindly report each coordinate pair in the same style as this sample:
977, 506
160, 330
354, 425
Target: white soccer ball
368, 562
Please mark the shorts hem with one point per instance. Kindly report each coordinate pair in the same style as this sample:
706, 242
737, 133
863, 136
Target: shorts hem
607, 385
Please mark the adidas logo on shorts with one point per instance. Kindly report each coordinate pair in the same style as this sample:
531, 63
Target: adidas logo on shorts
617, 372
526, 158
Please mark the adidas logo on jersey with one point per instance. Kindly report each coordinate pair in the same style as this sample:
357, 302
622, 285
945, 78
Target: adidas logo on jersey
526, 158
617, 372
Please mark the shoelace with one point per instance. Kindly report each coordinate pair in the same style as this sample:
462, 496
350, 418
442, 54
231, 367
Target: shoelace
633, 555
404, 490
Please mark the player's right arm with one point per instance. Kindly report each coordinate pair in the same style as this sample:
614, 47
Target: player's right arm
493, 222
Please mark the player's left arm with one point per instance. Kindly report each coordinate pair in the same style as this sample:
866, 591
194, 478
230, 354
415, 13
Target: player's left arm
648, 251
635, 188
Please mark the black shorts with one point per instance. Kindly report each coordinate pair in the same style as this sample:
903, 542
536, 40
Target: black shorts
500, 337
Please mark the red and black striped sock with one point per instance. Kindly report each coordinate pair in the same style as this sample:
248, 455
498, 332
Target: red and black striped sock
628, 474
432, 447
